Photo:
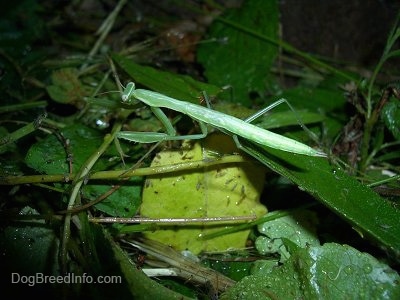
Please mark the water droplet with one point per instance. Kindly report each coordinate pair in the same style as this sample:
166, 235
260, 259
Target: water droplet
101, 124
367, 268
349, 270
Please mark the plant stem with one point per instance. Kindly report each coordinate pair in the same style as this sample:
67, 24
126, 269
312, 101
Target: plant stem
22, 106
123, 174
21, 132
77, 183
104, 30
371, 116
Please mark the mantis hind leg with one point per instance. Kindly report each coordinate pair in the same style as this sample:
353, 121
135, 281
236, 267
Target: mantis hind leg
275, 104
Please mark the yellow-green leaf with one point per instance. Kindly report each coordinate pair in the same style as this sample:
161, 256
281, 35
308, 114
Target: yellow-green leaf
222, 190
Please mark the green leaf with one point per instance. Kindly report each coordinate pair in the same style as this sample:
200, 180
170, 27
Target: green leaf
221, 191
242, 61
326, 102
299, 227
124, 202
28, 251
287, 118
331, 271
314, 99
31, 249
49, 155
180, 87
343, 194
66, 87
391, 117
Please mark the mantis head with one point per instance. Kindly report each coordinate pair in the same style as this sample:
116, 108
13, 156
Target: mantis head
130, 87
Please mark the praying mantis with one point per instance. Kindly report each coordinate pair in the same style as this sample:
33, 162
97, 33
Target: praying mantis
203, 115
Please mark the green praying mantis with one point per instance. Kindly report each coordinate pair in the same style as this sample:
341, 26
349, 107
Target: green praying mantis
203, 115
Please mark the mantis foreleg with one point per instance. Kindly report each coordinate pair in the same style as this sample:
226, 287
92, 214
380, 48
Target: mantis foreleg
170, 135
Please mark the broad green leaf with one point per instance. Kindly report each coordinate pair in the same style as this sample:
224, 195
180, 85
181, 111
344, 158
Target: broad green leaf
180, 87
232, 190
298, 227
124, 202
328, 103
49, 156
28, 251
391, 117
287, 118
343, 194
66, 87
315, 99
241, 60
235, 266
330, 271
31, 249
